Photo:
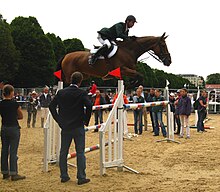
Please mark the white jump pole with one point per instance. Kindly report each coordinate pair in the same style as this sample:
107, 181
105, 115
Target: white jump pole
196, 111
58, 130
120, 125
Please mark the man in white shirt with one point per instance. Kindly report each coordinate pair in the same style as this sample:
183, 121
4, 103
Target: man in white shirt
45, 100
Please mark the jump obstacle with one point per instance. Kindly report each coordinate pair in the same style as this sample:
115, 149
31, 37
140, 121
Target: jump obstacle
115, 126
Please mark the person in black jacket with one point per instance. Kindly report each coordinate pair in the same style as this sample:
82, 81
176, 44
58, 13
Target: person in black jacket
71, 117
107, 35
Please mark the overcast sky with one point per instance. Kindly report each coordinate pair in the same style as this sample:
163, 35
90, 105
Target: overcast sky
192, 26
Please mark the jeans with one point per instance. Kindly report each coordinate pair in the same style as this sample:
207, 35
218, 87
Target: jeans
34, 113
79, 139
10, 137
157, 117
98, 117
152, 120
138, 122
177, 120
201, 118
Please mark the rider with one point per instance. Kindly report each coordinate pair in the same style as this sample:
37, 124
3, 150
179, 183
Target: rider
106, 35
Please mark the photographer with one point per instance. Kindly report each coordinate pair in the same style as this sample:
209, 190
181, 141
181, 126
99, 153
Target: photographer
32, 105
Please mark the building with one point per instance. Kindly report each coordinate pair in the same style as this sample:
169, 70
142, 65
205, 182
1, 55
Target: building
194, 79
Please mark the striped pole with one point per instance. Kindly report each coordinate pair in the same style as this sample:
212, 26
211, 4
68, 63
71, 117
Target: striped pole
98, 107
151, 104
88, 149
93, 127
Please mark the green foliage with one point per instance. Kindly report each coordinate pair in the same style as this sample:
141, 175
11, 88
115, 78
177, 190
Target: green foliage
9, 56
72, 45
213, 78
37, 55
58, 46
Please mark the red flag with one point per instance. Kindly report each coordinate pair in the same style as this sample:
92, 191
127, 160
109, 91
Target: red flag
58, 74
116, 73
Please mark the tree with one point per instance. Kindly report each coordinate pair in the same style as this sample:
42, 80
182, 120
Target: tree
148, 74
37, 56
213, 78
72, 45
9, 56
58, 46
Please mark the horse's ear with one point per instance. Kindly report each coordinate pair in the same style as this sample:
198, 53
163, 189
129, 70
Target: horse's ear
166, 36
163, 36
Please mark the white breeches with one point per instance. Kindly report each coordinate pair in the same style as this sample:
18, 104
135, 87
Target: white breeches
104, 42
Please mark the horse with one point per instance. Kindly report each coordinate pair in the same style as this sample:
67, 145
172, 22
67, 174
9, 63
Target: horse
126, 58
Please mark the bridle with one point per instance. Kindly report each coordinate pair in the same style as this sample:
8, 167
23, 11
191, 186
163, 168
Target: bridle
162, 56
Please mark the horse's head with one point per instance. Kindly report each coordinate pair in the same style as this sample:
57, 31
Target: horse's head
161, 50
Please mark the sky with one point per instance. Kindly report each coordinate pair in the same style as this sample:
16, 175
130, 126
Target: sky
192, 26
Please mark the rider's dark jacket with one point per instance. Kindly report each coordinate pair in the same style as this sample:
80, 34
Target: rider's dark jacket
116, 31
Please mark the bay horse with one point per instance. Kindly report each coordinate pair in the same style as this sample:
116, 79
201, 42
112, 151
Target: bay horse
126, 58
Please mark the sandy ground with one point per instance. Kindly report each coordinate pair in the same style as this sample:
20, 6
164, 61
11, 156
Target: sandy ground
193, 165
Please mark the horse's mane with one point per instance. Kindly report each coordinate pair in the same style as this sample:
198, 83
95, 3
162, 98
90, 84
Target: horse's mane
130, 41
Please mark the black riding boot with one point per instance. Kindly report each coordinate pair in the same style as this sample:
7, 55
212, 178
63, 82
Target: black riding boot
100, 52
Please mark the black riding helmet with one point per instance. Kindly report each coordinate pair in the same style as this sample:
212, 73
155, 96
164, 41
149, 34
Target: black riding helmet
131, 18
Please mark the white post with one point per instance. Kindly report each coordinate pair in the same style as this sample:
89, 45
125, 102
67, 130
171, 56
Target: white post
167, 109
46, 144
102, 152
58, 130
196, 111
120, 124
215, 100
171, 128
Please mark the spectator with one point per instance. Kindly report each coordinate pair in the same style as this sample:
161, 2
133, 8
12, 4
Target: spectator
177, 117
93, 88
32, 106
10, 112
144, 95
125, 99
184, 107
71, 117
1, 88
150, 99
202, 111
157, 112
107, 98
98, 100
138, 112
45, 100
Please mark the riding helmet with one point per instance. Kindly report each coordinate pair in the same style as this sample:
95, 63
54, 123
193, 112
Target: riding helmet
131, 18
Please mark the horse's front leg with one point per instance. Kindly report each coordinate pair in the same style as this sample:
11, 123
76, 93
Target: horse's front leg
137, 78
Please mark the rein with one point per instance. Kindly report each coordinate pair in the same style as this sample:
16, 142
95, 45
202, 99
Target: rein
155, 56
151, 53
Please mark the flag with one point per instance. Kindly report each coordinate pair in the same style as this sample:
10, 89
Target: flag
58, 74
116, 73
167, 82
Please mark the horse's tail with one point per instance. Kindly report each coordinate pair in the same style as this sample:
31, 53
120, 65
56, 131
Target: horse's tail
59, 67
